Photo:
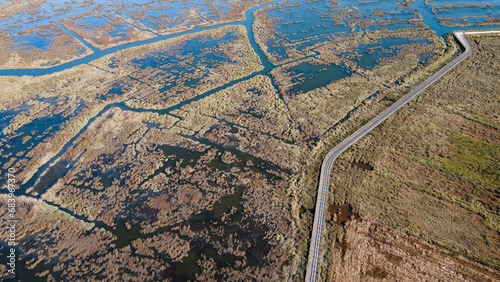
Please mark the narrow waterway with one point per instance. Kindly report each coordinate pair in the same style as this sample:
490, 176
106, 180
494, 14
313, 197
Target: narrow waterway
56, 168
60, 168
100, 53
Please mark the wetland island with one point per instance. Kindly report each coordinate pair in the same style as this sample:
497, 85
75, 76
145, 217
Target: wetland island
250, 140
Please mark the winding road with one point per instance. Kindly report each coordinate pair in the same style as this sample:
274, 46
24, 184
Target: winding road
324, 179
322, 196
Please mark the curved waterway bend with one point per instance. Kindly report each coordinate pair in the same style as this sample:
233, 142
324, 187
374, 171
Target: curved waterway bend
268, 66
247, 22
426, 14
314, 258
44, 168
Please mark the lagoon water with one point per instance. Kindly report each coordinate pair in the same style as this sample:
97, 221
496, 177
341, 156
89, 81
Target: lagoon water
306, 17
319, 19
299, 25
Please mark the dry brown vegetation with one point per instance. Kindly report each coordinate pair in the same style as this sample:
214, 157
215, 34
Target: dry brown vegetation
169, 73
101, 38
251, 117
435, 166
288, 131
90, 90
282, 46
63, 48
374, 252
67, 99
228, 180
142, 21
47, 236
487, 18
159, 186
214, 12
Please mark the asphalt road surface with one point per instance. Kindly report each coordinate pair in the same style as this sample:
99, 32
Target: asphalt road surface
322, 197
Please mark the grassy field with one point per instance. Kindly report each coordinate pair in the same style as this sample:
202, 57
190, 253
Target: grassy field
435, 163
